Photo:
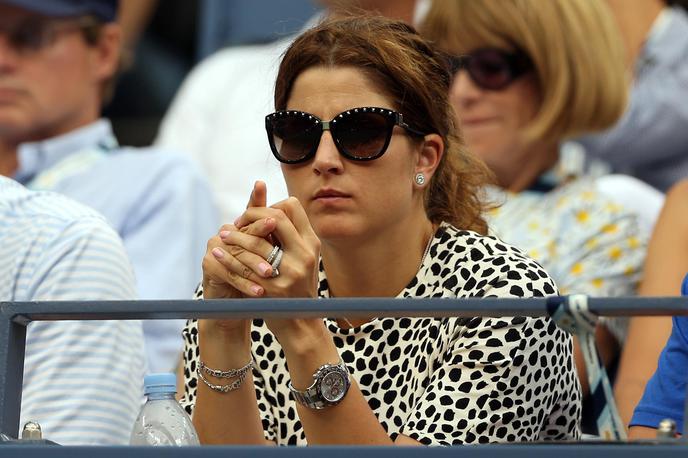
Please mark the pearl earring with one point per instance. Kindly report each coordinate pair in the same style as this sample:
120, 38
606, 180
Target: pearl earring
420, 179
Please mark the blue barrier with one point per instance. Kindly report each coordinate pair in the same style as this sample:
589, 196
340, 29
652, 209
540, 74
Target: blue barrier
470, 451
14, 316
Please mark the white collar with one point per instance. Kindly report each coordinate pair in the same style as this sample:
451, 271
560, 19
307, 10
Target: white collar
35, 157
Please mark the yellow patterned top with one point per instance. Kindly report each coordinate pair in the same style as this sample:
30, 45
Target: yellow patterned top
585, 241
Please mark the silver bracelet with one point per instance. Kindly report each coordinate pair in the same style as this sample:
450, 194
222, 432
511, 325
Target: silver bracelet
222, 388
226, 374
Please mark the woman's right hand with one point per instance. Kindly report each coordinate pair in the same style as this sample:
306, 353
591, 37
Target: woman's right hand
216, 284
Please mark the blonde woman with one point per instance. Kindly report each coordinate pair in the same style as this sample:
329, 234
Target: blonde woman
529, 75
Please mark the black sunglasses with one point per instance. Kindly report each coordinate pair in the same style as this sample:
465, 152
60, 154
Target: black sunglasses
491, 68
360, 134
35, 33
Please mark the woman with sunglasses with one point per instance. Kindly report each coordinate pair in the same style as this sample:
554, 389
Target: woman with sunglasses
386, 204
529, 75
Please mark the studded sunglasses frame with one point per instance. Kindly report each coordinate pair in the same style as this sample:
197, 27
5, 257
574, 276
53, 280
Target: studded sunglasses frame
391, 117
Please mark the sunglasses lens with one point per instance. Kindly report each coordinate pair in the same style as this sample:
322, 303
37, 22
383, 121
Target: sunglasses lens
294, 136
27, 35
490, 69
363, 135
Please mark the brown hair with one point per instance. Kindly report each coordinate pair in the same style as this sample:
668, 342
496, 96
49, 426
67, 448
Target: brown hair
417, 79
575, 47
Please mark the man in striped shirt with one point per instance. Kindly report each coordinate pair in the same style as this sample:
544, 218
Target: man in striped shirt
82, 379
58, 60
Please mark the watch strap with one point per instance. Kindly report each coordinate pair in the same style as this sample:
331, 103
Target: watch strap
309, 397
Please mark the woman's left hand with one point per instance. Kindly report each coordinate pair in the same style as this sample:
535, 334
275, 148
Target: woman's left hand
298, 270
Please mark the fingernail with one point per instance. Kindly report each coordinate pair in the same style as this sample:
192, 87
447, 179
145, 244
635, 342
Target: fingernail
257, 290
218, 253
269, 221
224, 234
236, 222
264, 267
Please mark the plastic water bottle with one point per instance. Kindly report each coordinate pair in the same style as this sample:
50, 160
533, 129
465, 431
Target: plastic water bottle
162, 421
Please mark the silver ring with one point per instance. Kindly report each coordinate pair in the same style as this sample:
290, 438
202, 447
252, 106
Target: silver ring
273, 253
278, 259
276, 262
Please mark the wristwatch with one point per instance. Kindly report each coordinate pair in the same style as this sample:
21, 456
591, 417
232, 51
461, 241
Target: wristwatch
330, 385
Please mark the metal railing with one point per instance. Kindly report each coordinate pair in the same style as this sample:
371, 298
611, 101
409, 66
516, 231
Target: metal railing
14, 316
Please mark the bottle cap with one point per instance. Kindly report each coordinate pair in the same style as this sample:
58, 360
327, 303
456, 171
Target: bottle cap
159, 383
31, 431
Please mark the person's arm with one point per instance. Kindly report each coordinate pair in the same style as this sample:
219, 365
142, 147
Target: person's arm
227, 349
665, 267
646, 338
642, 432
465, 379
224, 345
86, 261
665, 393
306, 343
134, 16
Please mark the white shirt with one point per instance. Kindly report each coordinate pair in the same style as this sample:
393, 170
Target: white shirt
218, 118
83, 380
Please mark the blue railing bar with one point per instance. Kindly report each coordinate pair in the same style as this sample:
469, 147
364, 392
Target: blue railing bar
15, 316
25, 312
568, 450
12, 346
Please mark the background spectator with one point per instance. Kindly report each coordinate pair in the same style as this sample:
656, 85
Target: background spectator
57, 64
650, 140
523, 89
83, 380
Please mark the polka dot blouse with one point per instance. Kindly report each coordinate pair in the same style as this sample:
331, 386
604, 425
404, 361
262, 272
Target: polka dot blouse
440, 381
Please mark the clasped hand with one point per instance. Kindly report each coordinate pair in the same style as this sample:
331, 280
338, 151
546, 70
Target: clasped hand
235, 264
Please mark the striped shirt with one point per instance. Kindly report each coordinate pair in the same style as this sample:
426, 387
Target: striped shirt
82, 379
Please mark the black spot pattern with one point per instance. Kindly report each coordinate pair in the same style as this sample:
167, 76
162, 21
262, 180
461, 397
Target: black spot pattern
440, 381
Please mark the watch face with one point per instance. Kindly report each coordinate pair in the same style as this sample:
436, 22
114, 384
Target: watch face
333, 386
